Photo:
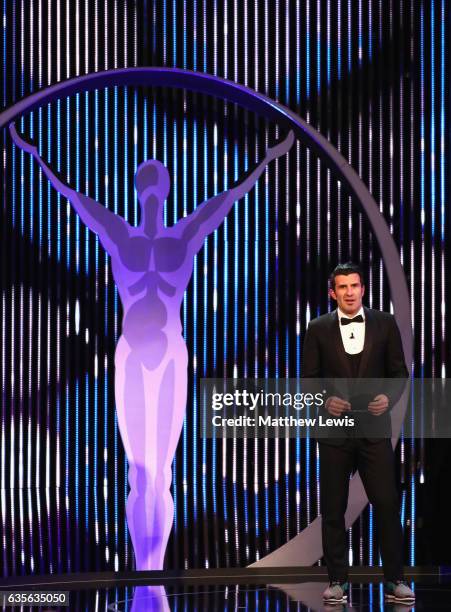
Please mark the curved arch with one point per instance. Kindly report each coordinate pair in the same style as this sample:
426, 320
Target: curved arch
305, 548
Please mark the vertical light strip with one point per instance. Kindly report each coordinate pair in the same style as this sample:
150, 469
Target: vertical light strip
391, 137
360, 127
205, 330
433, 95
215, 312
47, 424
401, 143
349, 208
22, 122
257, 297
226, 297
307, 217
412, 215
20, 457
195, 34
287, 280
339, 130
298, 446
29, 444
195, 349
14, 190
432, 163
123, 499
4, 38
86, 36
236, 282
185, 444
298, 458
318, 196
349, 76
276, 274
369, 290
164, 33
124, 97
31, 89
422, 272
103, 181
381, 156
442, 190
115, 64
174, 32
184, 34
135, 35
370, 81
3, 507
12, 423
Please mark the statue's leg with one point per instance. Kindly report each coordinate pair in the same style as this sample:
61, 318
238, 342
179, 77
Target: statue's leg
131, 415
151, 407
170, 409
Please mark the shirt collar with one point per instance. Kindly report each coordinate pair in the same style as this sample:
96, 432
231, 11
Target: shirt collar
342, 314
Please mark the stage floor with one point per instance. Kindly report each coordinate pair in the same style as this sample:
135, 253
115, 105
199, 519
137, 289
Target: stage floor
224, 590
304, 597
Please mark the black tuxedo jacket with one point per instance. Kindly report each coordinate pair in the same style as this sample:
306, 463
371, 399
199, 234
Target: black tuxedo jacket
324, 356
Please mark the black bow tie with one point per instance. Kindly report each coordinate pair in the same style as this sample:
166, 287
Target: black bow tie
357, 319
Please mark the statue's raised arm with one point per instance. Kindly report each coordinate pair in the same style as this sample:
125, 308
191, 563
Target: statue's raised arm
209, 215
110, 228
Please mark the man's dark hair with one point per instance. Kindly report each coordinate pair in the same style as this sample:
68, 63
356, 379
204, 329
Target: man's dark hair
346, 268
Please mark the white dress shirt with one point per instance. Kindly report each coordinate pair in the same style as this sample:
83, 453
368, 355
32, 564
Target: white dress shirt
352, 334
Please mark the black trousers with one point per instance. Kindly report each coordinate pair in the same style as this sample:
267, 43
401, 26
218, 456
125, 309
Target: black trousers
375, 463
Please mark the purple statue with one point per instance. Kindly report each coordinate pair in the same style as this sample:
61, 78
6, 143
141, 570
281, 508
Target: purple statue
152, 265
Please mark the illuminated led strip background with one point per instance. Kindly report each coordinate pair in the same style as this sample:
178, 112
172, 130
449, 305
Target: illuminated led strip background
370, 75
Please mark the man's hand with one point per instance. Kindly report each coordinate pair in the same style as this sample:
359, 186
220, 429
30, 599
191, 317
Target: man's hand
378, 405
336, 406
281, 147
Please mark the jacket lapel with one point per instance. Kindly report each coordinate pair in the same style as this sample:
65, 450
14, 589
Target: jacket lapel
367, 346
338, 345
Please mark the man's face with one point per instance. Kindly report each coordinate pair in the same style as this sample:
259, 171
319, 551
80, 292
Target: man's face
348, 293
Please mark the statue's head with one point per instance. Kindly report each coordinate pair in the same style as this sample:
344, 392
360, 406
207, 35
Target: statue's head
152, 178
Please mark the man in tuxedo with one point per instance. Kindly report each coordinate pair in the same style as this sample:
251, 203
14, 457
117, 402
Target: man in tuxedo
357, 342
